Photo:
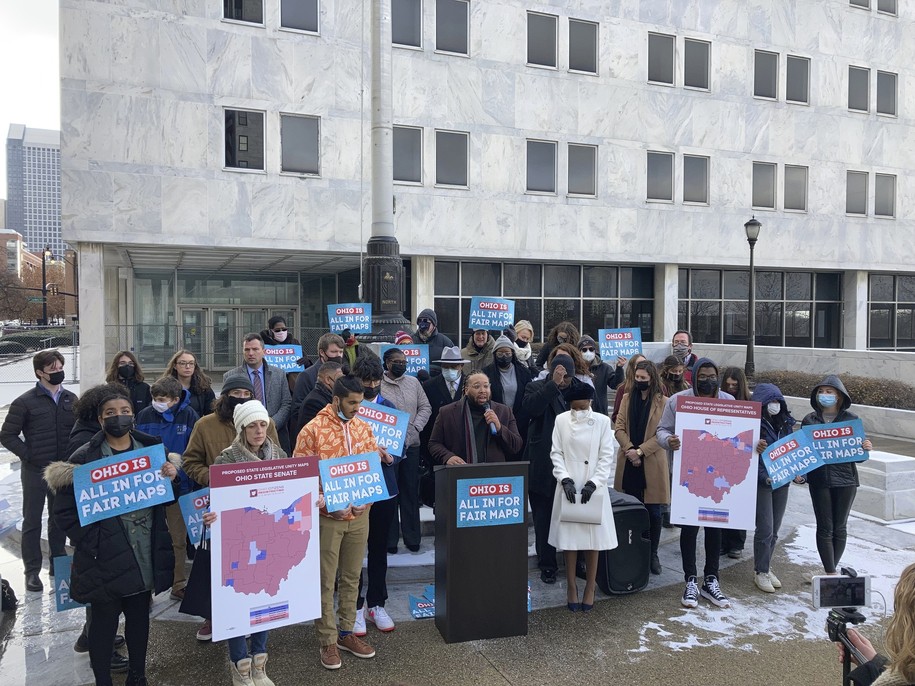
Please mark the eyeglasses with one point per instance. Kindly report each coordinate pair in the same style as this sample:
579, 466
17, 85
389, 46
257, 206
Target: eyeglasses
562, 339
587, 350
279, 330
701, 377
423, 321
186, 364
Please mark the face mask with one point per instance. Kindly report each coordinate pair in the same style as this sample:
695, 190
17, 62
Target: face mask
280, 335
520, 343
126, 371
642, 385
343, 417
774, 408
523, 354
675, 378
370, 392
159, 407
424, 326
580, 415
826, 400
56, 378
451, 375
398, 369
118, 426
588, 355
706, 387
680, 350
232, 402
338, 360
504, 361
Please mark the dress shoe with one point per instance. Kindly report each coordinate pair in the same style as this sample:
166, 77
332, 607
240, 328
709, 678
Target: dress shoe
119, 663
413, 548
548, 576
33, 583
573, 607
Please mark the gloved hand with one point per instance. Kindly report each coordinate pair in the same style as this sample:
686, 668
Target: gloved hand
587, 492
569, 487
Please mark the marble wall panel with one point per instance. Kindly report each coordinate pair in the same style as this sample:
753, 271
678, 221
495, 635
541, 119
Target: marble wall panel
271, 69
182, 56
497, 154
498, 98
228, 210
183, 8
184, 134
85, 198
85, 44
136, 200
135, 51
229, 62
273, 211
184, 206
545, 101
311, 63
498, 32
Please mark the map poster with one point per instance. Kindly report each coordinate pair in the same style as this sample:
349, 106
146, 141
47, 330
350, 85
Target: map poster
789, 457
837, 442
265, 547
284, 357
388, 425
357, 317
352, 480
715, 469
61, 578
491, 314
615, 343
417, 357
193, 505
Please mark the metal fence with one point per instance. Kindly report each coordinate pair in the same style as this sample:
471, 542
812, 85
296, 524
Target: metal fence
19, 345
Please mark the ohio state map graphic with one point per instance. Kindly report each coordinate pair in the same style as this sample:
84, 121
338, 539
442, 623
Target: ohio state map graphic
259, 548
710, 466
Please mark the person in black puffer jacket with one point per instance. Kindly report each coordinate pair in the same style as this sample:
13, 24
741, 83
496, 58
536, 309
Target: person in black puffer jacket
118, 562
125, 369
832, 486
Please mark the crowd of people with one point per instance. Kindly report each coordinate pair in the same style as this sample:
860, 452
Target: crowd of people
496, 399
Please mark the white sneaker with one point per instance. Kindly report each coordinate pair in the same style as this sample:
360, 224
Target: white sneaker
774, 580
763, 583
380, 618
359, 627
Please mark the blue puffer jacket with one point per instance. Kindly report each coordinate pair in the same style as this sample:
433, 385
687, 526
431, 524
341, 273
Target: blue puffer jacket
772, 429
174, 427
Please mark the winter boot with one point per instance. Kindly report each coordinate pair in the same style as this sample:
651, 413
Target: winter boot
241, 672
259, 673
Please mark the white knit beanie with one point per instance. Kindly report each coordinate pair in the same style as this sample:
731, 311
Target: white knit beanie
248, 412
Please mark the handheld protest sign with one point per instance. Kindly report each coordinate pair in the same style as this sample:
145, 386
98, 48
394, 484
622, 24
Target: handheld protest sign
417, 357
388, 425
615, 343
491, 314
193, 505
838, 442
284, 357
352, 480
63, 601
357, 317
790, 457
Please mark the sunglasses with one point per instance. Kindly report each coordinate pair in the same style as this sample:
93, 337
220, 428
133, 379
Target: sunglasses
279, 330
423, 321
587, 350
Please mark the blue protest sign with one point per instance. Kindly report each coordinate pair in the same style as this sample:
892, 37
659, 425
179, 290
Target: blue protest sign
422, 608
120, 484
357, 317
789, 457
61, 577
284, 357
352, 480
838, 442
388, 425
491, 314
490, 502
193, 505
9, 518
615, 343
417, 356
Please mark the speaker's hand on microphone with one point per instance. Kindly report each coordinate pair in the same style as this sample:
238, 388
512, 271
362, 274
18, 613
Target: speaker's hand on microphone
492, 418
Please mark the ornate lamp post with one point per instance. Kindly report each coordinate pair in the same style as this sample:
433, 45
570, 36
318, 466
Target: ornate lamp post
752, 228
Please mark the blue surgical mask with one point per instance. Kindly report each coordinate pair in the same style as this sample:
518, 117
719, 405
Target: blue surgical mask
451, 375
343, 417
826, 399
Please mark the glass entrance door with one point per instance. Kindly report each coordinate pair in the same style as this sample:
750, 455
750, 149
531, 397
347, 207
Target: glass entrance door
193, 332
225, 345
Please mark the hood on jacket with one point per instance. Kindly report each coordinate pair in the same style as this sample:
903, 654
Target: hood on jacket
60, 474
832, 381
766, 393
702, 362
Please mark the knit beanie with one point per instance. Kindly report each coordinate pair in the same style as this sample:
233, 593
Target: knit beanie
503, 342
402, 338
235, 382
430, 315
248, 412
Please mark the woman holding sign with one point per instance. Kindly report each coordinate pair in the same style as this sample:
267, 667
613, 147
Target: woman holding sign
832, 486
121, 561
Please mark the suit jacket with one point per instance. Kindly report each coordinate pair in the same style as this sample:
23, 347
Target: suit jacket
277, 398
448, 435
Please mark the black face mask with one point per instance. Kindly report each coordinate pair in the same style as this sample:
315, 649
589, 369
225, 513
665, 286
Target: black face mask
504, 361
118, 426
126, 371
370, 392
642, 385
232, 402
397, 369
338, 360
56, 378
674, 378
706, 387
520, 343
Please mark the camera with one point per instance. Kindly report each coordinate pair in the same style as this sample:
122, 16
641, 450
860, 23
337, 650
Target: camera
842, 594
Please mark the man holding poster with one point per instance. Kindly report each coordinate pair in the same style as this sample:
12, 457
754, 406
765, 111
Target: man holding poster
337, 431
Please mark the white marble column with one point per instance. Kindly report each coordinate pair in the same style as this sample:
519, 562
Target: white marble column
422, 280
855, 310
666, 285
91, 312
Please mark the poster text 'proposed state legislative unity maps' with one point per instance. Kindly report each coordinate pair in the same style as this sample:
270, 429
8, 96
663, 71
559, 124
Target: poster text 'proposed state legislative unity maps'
711, 466
260, 548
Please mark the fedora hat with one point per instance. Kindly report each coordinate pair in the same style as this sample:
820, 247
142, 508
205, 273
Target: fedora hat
452, 355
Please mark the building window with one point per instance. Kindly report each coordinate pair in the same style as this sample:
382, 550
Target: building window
856, 193
660, 58
765, 75
451, 26
248, 11
582, 169
797, 80
891, 305
661, 176
451, 158
863, 4
406, 23
244, 139
887, 6
408, 154
886, 93
764, 185
582, 46
300, 143
858, 89
541, 39
696, 63
884, 195
541, 166
795, 188
301, 15
695, 179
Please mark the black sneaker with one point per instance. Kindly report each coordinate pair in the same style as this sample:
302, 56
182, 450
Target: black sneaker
82, 644
690, 593
711, 591
119, 663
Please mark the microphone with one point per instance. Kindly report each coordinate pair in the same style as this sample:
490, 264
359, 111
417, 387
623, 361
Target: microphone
492, 426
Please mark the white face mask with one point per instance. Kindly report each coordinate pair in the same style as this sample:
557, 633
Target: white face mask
774, 408
523, 354
588, 355
159, 407
280, 335
451, 375
580, 415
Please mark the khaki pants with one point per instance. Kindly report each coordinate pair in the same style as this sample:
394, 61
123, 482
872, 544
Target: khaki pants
342, 549
178, 532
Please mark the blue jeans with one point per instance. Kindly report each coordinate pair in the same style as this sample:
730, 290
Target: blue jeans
238, 646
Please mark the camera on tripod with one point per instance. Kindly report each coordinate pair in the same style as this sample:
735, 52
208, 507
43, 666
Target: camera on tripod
842, 594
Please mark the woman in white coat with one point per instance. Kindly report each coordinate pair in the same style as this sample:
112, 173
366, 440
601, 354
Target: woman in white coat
582, 456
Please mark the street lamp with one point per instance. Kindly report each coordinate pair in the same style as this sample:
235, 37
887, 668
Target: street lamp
45, 256
752, 228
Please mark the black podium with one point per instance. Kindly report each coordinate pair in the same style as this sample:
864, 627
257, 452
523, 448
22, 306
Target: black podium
481, 551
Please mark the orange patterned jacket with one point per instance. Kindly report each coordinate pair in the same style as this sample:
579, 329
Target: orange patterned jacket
327, 437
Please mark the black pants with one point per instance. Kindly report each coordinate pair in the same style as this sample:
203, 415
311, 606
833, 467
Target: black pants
831, 507
380, 517
104, 626
688, 536
542, 512
408, 500
732, 539
34, 494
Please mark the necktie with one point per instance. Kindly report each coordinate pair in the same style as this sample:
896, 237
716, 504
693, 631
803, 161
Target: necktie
451, 388
258, 387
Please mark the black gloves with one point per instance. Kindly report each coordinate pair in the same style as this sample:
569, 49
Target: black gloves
587, 492
569, 487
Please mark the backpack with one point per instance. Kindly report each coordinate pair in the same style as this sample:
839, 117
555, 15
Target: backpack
8, 598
